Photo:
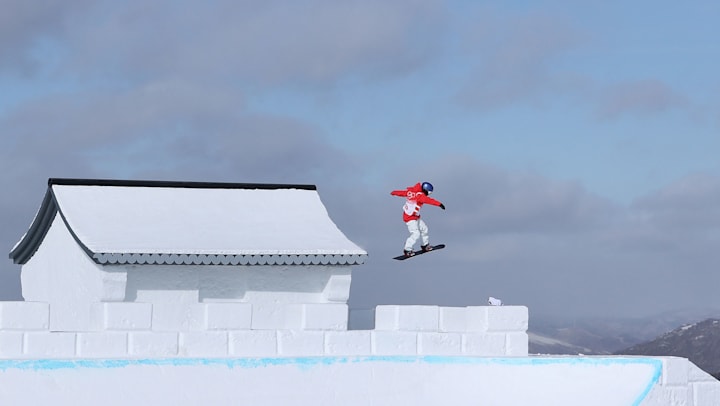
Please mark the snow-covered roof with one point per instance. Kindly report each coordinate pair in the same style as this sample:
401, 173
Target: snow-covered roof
156, 222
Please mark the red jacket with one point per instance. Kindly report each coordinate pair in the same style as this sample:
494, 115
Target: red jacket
415, 199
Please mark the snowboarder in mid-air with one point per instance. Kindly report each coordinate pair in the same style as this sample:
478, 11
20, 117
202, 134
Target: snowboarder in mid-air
415, 196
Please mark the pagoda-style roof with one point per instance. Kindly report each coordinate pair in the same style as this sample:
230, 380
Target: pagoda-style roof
161, 222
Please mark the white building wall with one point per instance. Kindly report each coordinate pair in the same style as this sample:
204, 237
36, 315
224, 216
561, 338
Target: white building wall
62, 275
248, 284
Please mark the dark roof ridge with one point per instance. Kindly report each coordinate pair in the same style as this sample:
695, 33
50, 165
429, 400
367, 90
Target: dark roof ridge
175, 184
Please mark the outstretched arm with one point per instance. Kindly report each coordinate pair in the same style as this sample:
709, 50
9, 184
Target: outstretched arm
429, 200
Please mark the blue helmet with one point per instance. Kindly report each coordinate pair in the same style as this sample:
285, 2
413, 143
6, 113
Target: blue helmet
427, 187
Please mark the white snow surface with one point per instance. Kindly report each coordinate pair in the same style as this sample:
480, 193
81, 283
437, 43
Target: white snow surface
166, 220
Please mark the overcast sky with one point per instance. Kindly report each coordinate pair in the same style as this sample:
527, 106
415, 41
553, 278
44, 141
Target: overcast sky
575, 144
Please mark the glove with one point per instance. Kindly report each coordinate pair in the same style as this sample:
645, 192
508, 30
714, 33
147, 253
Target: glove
442, 206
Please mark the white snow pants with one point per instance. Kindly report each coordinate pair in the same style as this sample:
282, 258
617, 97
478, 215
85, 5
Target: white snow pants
417, 229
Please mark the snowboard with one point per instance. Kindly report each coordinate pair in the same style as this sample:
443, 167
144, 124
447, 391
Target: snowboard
420, 252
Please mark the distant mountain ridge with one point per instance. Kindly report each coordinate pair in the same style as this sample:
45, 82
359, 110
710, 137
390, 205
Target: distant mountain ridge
605, 335
698, 342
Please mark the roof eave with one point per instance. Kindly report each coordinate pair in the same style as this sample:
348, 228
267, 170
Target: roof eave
233, 260
30, 242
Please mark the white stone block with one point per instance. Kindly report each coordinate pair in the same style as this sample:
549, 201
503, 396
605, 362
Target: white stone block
127, 316
679, 395
394, 342
419, 318
407, 318
676, 371
386, 317
178, 317
228, 316
516, 344
670, 395
113, 284
294, 316
253, 343
24, 315
204, 344
338, 288
173, 278
507, 318
50, 344
477, 319
484, 344
11, 344
102, 344
301, 342
320, 316
356, 342
153, 344
706, 393
73, 317
440, 343
453, 319
274, 316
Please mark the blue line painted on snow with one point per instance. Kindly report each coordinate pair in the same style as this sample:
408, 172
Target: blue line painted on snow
50, 364
657, 371
309, 362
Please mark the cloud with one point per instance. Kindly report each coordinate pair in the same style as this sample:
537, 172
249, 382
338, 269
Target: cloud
514, 57
679, 222
527, 59
638, 97
24, 23
270, 42
690, 205
171, 127
500, 201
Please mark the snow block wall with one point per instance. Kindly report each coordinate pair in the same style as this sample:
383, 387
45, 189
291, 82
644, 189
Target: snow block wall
129, 329
422, 355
